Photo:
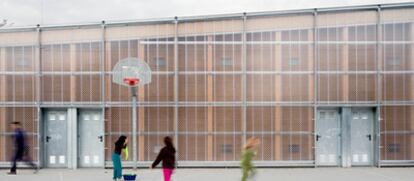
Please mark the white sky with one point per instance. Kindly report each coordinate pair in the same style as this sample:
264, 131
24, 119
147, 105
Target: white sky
31, 12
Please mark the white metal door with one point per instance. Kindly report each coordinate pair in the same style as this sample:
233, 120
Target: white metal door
90, 138
55, 139
362, 137
327, 138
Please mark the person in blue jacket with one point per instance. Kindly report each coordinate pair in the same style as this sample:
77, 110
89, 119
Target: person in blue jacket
21, 150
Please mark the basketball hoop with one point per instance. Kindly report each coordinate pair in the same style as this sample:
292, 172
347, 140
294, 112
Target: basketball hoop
132, 72
131, 81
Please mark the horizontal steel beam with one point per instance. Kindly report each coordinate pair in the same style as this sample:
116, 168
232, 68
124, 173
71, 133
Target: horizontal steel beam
69, 73
205, 104
388, 163
236, 164
238, 16
205, 133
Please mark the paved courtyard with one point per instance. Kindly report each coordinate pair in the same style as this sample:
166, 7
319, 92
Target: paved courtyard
268, 174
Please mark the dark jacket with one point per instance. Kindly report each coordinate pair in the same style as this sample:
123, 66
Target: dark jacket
19, 139
167, 156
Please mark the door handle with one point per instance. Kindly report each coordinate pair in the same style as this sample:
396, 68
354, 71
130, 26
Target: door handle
100, 138
317, 137
48, 138
369, 137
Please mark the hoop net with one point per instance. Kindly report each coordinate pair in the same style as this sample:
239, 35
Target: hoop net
131, 72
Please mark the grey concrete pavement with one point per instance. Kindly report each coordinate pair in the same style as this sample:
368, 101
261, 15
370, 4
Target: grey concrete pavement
269, 174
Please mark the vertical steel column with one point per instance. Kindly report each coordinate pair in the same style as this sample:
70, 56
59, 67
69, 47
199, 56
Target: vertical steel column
378, 89
102, 62
72, 142
315, 81
345, 141
176, 84
103, 85
134, 126
38, 87
244, 79
3, 95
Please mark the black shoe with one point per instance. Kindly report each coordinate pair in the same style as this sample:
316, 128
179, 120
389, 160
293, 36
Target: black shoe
11, 173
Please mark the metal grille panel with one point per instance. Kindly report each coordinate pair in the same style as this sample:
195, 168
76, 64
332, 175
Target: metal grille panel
219, 81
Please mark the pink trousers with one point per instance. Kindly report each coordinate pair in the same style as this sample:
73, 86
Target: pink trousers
167, 173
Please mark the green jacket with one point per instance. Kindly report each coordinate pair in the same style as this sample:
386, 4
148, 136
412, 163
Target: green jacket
247, 158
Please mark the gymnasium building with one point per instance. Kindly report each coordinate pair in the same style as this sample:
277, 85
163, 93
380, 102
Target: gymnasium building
319, 87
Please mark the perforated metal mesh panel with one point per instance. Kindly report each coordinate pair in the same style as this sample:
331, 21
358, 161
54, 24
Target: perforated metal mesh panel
27, 116
397, 139
219, 81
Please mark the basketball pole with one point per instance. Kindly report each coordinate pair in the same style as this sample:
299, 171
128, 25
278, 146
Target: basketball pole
132, 72
134, 126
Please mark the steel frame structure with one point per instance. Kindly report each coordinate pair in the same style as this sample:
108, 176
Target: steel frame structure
244, 103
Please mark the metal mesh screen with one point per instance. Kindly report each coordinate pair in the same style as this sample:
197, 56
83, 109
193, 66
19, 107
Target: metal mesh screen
227, 127
118, 122
56, 58
27, 116
86, 64
56, 88
218, 81
164, 86
18, 86
397, 137
193, 131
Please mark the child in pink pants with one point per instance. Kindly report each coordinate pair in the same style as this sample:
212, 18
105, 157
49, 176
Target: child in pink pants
167, 173
167, 156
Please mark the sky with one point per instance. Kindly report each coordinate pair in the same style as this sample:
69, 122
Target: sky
56, 12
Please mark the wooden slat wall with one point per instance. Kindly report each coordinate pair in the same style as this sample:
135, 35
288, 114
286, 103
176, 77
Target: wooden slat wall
108, 67
141, 110
206, 27
347, 18
311, 91
73, 65
139, 31
202, 27
345, 66
411, 118
71, 35
278, 97
210, 98
18, 38
3, 89
279, 22
310, 65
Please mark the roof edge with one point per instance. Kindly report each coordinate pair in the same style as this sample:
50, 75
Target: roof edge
209, 17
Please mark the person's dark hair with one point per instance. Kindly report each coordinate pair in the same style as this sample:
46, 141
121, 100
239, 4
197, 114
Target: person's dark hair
168, 142
121, 140
15, 123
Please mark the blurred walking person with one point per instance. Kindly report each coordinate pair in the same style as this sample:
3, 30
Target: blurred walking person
249, 152
120, 144
167, 156
21, 150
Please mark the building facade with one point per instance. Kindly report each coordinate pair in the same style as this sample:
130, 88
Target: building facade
319, 87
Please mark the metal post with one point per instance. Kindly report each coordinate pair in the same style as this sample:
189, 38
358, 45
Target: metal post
378, 89
176, 82
244, 81
315, 82
345, 141
102, 62
134, 126
103, 83
38, 87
